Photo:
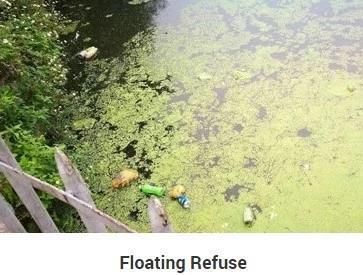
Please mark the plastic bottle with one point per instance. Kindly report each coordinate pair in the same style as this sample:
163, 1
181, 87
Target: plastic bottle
152, 190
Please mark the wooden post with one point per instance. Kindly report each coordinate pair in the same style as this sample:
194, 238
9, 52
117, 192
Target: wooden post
8, 217
78, 204
26, 193
158, 217
76, 186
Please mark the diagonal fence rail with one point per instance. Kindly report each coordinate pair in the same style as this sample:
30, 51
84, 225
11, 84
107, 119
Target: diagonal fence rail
76, 195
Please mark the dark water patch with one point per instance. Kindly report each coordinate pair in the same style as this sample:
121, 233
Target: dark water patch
171, 12
299, 49
109, 24
180, 98
340, 41
177, 85
250, 163
353, 69
208, 163
254, 43
141, 125
304, 133
144, 165
203, 132
335, 67
268, 20
159, 86
195, 55
297, 26
118, 150
205, 127
250, 27
281, 56
227, 19
220, 94
322, 8
238, 127
273, 75
273, 3
107, 124
130, 149
276, 38
261, 76
262, 113
214, 162
232, 193
134, 214
169, 129
79, 134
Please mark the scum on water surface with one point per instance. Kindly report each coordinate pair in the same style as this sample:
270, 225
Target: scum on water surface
239, 101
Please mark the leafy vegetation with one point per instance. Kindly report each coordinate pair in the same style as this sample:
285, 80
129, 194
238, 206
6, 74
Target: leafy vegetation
31, 79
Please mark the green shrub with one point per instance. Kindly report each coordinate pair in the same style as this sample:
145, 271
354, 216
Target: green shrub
31, 79
31, 70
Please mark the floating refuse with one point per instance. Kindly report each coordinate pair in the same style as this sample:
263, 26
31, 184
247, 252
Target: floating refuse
138, 2
88, 53
177, 191
248, 216
204, 76
124, 178
351, 89
152, 190
184, 201
256, 208
233, 192
304, 133
242, 74
250, 213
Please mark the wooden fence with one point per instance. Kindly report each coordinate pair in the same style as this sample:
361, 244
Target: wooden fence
76, 194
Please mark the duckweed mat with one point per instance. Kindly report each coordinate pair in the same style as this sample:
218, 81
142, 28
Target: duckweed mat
242, 102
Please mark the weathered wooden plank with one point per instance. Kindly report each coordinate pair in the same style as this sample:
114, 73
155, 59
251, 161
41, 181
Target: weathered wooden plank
158, 217
76, 186
26, 193
80, 205
8, 217
3, 228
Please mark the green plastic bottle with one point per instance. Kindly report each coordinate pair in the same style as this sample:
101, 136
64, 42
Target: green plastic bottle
152, 190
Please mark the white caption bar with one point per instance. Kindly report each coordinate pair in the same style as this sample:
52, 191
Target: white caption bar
279, 254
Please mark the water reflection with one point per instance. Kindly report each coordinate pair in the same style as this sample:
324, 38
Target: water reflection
108, 24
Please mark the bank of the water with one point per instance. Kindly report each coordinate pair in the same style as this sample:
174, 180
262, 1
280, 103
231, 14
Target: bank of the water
32, 75
241, 102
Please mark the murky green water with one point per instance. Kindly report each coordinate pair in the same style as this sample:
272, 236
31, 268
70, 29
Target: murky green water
240, 101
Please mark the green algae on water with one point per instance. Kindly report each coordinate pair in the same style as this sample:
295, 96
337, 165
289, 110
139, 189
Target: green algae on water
242, 102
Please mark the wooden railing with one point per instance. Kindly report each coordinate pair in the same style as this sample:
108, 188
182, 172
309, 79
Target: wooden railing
76, 194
